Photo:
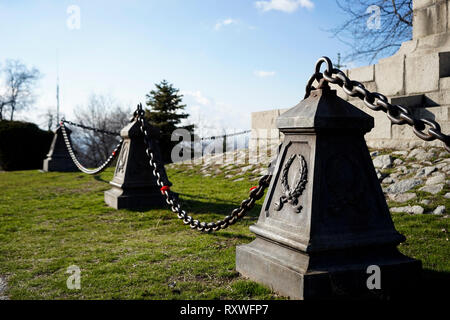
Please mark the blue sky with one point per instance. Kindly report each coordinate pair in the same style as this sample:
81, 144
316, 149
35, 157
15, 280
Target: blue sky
228, 57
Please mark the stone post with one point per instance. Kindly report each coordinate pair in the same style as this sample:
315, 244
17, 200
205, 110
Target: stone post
58, 158
133, 184
325, 220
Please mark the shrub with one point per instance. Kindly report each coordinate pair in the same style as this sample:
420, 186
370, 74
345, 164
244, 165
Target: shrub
22, 145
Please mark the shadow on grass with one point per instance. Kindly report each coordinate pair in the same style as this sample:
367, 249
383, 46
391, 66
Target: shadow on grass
100, 179
204, 207
434, 285
216, 207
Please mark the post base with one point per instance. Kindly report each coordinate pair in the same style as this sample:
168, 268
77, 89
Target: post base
134, 199
59, 165
328, 275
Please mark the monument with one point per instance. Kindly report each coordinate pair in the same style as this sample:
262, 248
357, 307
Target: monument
58, 158
133, 184
417, 76
325, 222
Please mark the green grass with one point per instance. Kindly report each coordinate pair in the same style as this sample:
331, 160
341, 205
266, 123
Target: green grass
49, 221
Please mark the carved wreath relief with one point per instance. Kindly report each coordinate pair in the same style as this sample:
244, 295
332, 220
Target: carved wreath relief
291, 194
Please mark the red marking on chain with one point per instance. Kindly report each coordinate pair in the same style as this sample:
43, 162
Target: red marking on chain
165, 188
253, 188
114, 153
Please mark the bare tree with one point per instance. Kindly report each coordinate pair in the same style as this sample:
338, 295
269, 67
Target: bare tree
374, 28
48, 118
101, 112
19, 86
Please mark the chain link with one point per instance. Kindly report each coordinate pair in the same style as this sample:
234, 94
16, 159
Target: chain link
236, 214
91, 128
226, 135
425, 129
97, 170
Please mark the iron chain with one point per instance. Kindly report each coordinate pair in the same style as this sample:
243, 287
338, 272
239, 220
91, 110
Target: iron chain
237, 214
97, 170
91, 128
376, 101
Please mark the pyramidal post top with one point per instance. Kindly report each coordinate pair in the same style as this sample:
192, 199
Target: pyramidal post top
323, 109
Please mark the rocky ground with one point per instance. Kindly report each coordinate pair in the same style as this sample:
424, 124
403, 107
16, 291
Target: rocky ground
414, 181
3, 288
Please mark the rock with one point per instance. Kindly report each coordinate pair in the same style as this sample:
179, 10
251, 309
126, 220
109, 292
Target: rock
409, 209
441, 165
3, 287
403, 185
383, 162
434, 150
403, 169
439, 178
439, 210
446, 169
263, 171
425, 172
420, 154
388, 180
380, 175
398, 162
415, 152
432, 188
425, 202
400, 153
444, 154
425, 156
447, 195
402, 197
246, 168
238, 179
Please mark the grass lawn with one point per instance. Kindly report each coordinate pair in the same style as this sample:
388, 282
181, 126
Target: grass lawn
49, 221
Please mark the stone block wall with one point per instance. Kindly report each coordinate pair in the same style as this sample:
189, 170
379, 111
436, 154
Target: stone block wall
417, 76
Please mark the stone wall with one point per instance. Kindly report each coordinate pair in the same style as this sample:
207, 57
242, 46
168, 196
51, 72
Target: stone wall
417, 76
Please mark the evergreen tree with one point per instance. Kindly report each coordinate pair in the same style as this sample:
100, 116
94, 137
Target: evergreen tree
166, 114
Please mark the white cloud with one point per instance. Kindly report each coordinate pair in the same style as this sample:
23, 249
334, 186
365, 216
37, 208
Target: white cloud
225, 22
198, 97
213, 117
284, 5
264, 74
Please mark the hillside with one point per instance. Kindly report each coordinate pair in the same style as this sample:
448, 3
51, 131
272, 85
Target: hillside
50, 221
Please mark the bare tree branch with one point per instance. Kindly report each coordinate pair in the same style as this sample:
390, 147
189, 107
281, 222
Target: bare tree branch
370, 43
19, 87
400, 17
101, 112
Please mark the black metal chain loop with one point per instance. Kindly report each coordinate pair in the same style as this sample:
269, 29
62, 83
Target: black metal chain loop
91, 128
238, 213
376, 101
97, 170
